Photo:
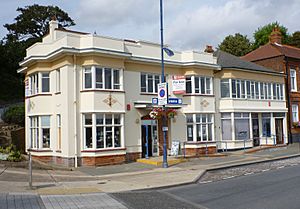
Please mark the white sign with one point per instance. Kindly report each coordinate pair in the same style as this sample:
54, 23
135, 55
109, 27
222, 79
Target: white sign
175, 148
162, 94
178, 84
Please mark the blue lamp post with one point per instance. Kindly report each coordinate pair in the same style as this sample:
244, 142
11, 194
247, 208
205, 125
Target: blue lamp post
169, 53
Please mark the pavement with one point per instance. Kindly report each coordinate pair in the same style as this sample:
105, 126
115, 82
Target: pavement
50, 185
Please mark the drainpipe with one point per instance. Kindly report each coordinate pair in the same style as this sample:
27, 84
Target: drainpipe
287, 90
75, 110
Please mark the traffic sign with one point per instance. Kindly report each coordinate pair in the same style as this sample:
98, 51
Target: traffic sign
154, 101
174, 101
162, 94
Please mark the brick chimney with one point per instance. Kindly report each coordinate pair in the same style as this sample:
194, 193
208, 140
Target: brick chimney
275, 36
209, 49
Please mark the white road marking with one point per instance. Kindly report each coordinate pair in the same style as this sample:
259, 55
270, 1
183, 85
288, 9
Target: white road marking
246, 174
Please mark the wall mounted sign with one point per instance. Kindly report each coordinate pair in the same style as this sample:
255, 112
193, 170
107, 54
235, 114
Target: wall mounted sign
178, 84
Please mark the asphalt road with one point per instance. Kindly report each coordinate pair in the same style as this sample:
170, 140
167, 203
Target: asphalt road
274, 189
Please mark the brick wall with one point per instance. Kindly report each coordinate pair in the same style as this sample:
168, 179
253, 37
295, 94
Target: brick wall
103, 160
130, 157
200, 151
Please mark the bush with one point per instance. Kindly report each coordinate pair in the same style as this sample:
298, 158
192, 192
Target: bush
14, 115
13, 154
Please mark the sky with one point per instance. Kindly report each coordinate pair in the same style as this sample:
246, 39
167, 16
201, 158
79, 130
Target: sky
188, 24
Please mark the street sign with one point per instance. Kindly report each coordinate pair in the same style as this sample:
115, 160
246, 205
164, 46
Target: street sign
174, 101
154, 101
162, 94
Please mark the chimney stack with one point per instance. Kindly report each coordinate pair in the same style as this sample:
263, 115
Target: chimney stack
53, 24
209, 49
275, 36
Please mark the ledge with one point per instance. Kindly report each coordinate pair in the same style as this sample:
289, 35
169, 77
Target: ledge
47, 94
102, 90
198, 95
102, 150
40, 150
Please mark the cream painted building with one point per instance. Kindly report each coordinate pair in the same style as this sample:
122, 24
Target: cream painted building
88, 100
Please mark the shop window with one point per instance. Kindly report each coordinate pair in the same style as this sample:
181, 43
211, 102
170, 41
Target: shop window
202, 123
266, 124
241, 123
226, 126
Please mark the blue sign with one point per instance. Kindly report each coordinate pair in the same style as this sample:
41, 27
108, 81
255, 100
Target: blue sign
154, 101
162, 93
174, 101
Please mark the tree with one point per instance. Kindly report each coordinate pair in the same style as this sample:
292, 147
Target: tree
28, 28
33, 22
295, 39
237, 45
261, 35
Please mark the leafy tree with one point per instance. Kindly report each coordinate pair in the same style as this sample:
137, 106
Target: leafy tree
34, 20
15, 115
237, 45
261, 35
29, 27
295, 39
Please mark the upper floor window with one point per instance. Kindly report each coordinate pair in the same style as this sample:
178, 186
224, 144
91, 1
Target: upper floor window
293, 80
149, 82
39, 83
251, 89
295, 112
199, 85
58, 81
101, 78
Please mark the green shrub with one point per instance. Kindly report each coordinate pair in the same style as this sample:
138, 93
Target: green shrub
13, 154
14, 115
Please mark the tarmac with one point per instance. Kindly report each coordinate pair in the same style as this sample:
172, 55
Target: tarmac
132, 176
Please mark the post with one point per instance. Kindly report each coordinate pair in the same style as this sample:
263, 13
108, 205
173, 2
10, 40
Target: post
266, 140
165, 161
30, 169
206, 149
244, 145
147, 142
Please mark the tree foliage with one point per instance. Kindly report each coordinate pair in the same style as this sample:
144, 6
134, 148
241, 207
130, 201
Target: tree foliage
15, 115
295, 39
261, 35
30, 25
33, 22
237, 45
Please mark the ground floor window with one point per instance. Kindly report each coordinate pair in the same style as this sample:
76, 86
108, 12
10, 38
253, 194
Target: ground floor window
102, 130
266, 124
241, 124
39, 132
226, 126
199, 127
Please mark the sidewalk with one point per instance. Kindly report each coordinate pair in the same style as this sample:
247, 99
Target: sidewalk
132, 176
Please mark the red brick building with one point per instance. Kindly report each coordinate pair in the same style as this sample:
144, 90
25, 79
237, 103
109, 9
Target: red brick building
283, 58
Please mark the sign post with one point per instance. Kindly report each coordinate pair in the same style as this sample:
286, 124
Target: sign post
162, 94
30, 169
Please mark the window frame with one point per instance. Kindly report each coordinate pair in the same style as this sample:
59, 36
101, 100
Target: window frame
199, 85
196, 126
146, 85
36, 128
295, 113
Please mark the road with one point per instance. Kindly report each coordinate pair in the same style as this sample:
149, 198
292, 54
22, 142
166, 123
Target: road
273, 189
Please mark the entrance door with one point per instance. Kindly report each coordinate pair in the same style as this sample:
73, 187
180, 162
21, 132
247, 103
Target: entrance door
149, 138
255, 129
279, 130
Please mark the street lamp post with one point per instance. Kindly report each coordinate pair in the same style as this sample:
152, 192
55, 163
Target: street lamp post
164, 129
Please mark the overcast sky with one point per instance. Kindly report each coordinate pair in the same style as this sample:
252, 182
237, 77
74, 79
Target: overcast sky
189, 24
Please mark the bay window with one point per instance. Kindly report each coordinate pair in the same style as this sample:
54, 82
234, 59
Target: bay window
102, 130
225, 90
39, 132
199, 127
199, 85
39, 83
101, 78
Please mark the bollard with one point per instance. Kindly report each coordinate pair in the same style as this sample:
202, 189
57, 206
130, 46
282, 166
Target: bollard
244, 145
206, 149
30, 170
226, 146
266, 140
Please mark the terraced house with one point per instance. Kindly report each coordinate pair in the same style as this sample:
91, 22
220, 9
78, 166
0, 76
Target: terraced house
89, 100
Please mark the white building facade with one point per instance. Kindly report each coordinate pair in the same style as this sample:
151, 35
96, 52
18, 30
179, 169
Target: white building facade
88, 100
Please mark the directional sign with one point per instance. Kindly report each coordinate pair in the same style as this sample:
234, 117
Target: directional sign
174, 101
154, 101
162, 94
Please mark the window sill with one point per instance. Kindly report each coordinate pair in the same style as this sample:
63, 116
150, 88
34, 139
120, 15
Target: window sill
150, 94
201, 95
203, 142
102, 90
57, 93
103, 150
40, 94
40, 150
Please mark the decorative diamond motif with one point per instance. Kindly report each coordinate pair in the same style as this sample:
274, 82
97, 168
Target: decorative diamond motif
110, 100
204, 103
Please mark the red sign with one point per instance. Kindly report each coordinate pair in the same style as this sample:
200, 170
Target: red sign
178, 84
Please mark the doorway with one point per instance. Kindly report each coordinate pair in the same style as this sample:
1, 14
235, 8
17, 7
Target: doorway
255, 129
279, 130
149, 138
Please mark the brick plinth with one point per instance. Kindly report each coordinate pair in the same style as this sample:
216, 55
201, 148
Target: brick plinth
103, 160
68, 162
200, 151
130, 157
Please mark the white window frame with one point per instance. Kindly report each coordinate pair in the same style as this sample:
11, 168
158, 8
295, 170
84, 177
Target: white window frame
58, 81
202, 82
293, 79
36, 132
146, 85
209, 122
114, 86
295, 113
94, 126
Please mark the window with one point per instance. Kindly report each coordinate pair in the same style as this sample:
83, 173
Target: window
266, 124
226, 126
202, 124
101, 78
241, 124
34, 84
40, 131
58, 118
45, 82
293, 80
295, 112
107, 130
199, 85
58, 81
149, 82
225, 88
